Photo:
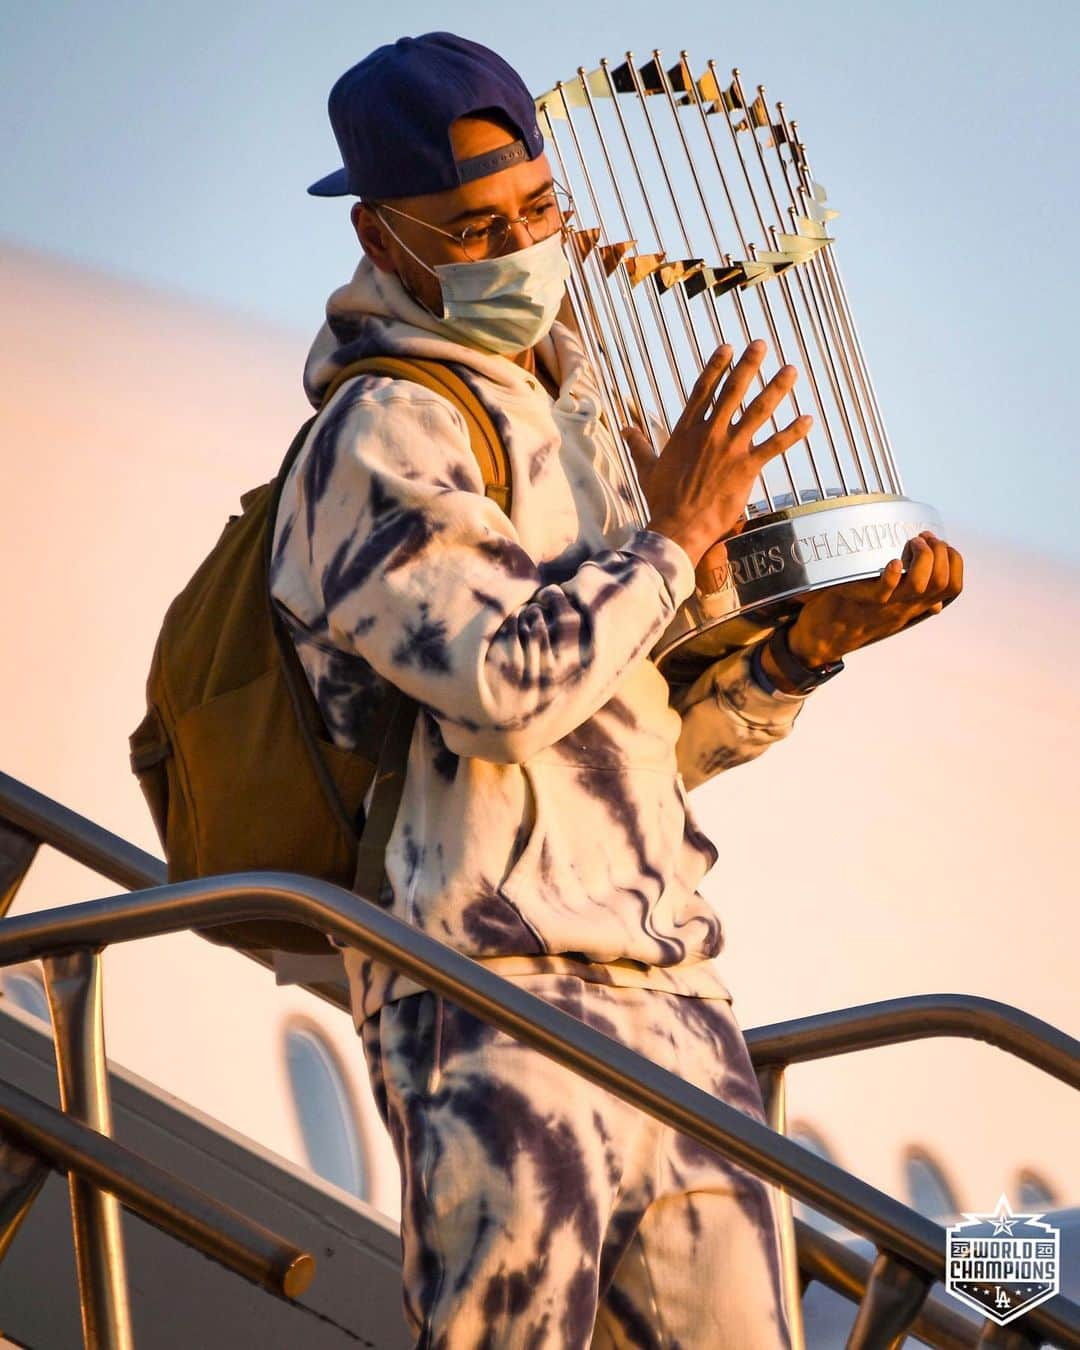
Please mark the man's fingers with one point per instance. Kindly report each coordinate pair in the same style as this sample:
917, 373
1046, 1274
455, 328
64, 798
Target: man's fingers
738, 382
918, 557
956, 576
939, 572
934, 569
763, 407
888, 581
705, 387
948, 576
783, 439
641, 451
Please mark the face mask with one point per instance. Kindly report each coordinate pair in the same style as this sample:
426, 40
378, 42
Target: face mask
503, 304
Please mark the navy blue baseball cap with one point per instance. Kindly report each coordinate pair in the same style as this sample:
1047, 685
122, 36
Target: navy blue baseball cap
392, 114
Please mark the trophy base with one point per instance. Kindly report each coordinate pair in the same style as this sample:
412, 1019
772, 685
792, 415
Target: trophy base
778, 559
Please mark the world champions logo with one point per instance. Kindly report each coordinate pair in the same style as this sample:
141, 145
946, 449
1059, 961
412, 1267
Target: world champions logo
1002, 1264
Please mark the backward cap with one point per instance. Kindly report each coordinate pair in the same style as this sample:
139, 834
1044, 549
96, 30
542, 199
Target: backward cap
392, 112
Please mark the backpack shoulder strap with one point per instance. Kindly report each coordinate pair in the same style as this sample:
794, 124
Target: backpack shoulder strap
300, 696
389, 781
487, 445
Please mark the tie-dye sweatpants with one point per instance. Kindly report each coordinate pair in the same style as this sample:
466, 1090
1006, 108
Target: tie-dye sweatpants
539, 1211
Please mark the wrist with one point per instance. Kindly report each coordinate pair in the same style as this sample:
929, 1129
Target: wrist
810, 649
772, 671
694, 548
794, 673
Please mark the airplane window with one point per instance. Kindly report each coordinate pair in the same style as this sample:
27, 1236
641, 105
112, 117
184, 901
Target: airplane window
326, 1112
1034, 1193
27, 992
928, 1190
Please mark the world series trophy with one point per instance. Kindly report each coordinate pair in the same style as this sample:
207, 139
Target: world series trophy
697, 221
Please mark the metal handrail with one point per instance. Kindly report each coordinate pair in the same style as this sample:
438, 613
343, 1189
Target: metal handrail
847, 1273
110, 855
77, 837
346, 918
178, 1209
918, 1016
772, 1047
839, 1031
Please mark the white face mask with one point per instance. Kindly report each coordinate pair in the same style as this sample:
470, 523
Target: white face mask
503, 304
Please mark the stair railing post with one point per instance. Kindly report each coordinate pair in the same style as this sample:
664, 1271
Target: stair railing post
773, 1093
74, 987
893, 1297
994, 1337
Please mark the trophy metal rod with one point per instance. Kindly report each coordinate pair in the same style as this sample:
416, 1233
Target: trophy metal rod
766, 307
813, 314
658, 313
847, 320
713, 299
720, 253
596, 347
615, 325
635, 416
610, 390
827, 319
849, 323
812, 311
830, 370
782, 282
592, 333
626, 288
706, 211
826, 303
808, 365
680, 297
837, 280
687, 245
592, 337
635, 318
824, 306
681, 220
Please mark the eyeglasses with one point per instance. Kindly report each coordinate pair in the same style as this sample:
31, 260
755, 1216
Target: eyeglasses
487, 238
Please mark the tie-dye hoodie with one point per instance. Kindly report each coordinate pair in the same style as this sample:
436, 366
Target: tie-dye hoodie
544, 824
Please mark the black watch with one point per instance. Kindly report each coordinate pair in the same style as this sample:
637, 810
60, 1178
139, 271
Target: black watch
801, 676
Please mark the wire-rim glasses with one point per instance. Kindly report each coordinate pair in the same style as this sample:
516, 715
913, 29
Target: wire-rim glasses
487, 238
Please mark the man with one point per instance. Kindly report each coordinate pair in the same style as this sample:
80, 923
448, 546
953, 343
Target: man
544, 826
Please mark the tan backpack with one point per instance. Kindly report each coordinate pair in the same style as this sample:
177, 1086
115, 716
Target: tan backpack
234, 760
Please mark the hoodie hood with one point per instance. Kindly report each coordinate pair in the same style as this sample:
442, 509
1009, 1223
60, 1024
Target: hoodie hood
373, 315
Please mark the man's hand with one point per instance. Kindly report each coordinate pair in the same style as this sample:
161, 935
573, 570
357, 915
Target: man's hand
843, 618
698, 488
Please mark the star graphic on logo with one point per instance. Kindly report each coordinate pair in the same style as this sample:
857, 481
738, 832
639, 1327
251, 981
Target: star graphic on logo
1002, 1218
